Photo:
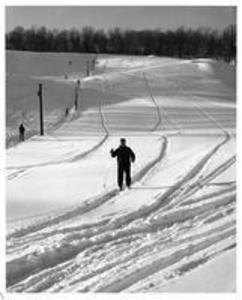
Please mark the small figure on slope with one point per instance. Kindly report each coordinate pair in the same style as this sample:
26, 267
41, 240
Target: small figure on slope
21, 132
125, 156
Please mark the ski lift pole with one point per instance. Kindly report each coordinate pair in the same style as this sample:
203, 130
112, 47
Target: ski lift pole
40, 95
87, 69
77, 89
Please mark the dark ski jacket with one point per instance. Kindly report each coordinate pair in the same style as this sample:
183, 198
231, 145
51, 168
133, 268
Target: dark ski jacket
124, 155
21, 129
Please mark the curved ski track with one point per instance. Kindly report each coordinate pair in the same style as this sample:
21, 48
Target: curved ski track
173, 232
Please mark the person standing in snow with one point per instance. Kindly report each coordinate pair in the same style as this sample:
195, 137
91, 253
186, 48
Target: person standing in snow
125, 156
21, 132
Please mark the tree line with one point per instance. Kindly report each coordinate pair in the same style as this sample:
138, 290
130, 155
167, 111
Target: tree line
182, 42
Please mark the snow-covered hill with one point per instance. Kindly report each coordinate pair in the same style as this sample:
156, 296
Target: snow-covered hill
71, 230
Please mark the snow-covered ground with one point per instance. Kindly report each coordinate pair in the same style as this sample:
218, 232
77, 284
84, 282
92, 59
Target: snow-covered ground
71, 230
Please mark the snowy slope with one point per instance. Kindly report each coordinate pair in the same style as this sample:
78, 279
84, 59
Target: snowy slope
70, 230
214, 274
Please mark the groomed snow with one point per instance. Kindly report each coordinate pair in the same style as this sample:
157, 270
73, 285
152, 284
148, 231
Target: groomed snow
70, 230
215, 277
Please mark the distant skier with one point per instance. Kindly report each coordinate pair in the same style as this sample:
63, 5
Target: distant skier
125, 156
21, 132
67, 112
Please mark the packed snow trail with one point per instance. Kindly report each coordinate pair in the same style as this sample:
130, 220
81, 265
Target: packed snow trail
153, 99
74, 158
93, 203
179, 213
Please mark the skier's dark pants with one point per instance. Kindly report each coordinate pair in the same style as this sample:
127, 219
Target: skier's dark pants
21, 137
121, 170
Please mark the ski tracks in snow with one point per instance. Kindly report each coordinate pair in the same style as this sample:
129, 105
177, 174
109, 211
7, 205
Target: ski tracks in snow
77, 157
182, 226
78, 240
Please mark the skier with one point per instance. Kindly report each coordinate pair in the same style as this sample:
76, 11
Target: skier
125, 156
21, 132
67, 112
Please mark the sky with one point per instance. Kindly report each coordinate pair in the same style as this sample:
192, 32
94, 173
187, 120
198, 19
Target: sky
132, 17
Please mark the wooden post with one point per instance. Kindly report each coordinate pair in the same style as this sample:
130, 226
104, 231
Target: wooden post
40, 94
87, 69
77, 88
